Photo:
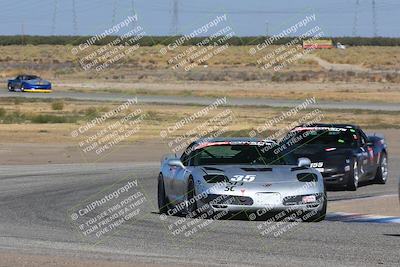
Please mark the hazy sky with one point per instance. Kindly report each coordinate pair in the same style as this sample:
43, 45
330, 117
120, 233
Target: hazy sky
156, 17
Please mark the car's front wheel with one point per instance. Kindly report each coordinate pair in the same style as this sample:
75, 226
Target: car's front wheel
10, 88
382, 172
191, 205
162, 198
354, 177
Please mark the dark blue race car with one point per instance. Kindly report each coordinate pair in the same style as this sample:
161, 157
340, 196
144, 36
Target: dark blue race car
343, 153
29, 83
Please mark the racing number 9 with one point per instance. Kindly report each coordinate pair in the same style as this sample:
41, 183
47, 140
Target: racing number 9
243, 178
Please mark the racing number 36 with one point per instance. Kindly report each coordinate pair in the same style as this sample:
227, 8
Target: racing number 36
243, 178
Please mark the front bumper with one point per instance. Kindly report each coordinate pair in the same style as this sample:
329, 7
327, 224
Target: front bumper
234, 203
336, 178
38, 90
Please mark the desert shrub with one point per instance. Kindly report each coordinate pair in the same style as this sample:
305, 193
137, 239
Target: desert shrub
57, 105
47, 118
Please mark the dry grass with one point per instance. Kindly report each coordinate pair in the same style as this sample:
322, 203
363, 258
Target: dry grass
338, 91
387, 58
160, 117
58, 61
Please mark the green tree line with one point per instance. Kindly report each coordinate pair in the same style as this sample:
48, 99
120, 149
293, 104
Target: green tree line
165, 40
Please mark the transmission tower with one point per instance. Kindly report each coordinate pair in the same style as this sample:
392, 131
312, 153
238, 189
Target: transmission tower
374, 23
355, 24
114, 12
74, 18
134, 23
175, 17
53, 24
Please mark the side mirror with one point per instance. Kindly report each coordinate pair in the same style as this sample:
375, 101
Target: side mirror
303, 162
175, 163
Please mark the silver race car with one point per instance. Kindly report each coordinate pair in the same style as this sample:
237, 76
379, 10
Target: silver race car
239, 175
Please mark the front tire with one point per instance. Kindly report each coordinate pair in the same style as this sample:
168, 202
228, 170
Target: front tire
354, 178
382, 172
191, 205
10, 88
162, 198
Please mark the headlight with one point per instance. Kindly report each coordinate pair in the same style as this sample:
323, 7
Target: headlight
307, 177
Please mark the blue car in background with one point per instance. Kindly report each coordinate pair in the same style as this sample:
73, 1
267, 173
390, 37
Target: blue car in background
29, 83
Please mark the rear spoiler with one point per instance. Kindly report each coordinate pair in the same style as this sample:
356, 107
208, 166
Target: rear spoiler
375, 135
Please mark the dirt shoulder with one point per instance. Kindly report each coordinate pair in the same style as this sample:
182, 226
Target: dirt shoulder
140, 151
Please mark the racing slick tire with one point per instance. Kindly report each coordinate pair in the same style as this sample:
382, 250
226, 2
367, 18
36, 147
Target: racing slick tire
382, 172
320, 214
162, 198
191, 206
352, 183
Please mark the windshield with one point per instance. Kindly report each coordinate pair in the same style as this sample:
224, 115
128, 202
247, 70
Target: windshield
31, 77
238, 154
329, 137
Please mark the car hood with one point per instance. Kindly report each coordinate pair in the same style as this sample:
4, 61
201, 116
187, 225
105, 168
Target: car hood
37, 81
271, 174
322, 153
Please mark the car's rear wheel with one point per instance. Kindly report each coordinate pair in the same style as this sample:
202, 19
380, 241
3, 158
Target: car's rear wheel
22, 87
10, 88
354, 177
382, 172
162, 198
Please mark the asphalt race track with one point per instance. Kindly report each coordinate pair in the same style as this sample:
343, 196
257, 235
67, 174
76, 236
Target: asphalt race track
184, 100
35, 217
